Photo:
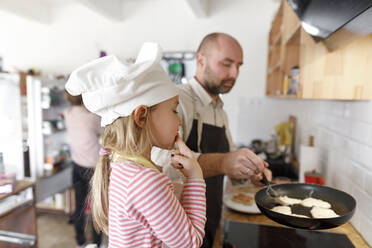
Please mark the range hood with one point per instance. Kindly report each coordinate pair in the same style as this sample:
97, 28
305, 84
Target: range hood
335, 22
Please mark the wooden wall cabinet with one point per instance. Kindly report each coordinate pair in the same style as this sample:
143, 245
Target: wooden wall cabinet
342, 74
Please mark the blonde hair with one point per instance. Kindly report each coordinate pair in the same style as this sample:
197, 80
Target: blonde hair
125, 137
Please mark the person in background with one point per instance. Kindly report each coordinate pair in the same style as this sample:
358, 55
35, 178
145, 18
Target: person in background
205, 125
84, 129
131, 200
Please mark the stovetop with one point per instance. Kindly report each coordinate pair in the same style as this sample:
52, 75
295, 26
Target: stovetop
248, 235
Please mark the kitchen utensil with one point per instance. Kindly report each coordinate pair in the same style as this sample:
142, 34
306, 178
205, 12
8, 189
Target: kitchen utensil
269, 189
342, 203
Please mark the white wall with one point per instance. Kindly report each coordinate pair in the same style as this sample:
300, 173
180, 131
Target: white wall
76, 34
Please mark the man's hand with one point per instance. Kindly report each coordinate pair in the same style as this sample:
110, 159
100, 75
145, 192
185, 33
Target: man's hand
243, 164
256, 179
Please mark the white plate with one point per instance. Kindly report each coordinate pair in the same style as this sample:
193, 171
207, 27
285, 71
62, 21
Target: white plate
251, 209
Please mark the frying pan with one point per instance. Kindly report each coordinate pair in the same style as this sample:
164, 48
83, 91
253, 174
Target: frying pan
342, 203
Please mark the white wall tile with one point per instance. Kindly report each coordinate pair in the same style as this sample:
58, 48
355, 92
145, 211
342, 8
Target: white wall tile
355, 220
337, 142
368, 183
346, 165
364, 201
338, 125
350, 148
357, 174
323, 140
341, 182
335, 180
361, 110
347, 110
338, 165
337, 108
361, 131
318, 118
365, 228
363, 155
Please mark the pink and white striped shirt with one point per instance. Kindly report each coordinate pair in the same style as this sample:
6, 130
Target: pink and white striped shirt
144, 211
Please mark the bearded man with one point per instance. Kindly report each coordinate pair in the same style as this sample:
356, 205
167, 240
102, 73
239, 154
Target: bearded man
205, 125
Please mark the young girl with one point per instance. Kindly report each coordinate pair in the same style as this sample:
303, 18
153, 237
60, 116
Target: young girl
131, 200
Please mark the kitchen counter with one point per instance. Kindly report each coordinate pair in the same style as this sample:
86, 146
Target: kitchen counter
228, 214
18, 213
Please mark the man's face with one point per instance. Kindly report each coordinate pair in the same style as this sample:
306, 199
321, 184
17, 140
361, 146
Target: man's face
221, 67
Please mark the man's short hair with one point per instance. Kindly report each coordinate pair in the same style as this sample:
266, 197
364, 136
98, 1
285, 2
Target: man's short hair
207, 41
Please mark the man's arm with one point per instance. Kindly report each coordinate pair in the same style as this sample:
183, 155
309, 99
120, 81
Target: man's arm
211, 164
240, 164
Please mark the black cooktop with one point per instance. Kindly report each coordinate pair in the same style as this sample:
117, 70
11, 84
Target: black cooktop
247, 235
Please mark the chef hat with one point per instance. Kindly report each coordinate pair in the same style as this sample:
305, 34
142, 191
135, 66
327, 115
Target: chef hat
111, 88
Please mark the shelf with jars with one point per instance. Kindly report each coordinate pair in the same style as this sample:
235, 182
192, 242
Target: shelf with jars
49, 149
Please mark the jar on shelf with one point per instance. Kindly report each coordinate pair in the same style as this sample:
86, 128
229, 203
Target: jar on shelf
45, 98
60, 123
294, 79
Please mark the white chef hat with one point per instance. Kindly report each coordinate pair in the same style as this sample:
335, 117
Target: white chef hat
113, 89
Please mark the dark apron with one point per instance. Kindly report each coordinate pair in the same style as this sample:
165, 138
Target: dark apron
213, 140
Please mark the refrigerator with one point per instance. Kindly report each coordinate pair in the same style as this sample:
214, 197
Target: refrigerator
49, 155
180, 66
11, 133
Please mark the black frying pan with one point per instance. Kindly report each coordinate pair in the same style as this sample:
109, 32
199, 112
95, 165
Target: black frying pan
342, 203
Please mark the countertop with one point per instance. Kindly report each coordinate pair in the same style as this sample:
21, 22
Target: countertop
18, 186
20, 216
228, 214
